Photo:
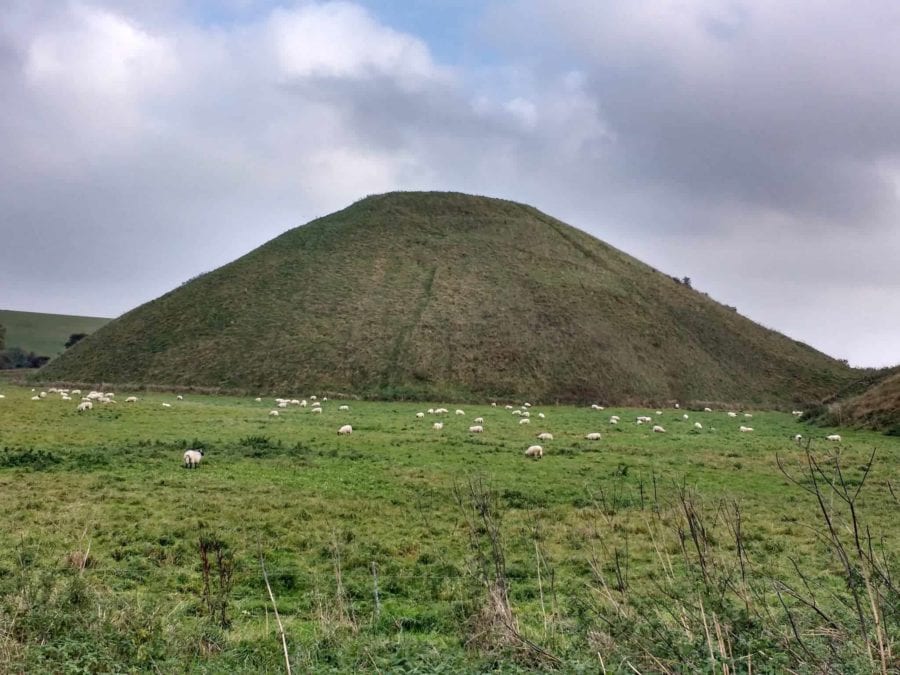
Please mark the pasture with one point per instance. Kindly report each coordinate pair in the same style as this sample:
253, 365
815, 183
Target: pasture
401, 548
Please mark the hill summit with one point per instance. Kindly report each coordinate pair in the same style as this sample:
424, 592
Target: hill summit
446, 295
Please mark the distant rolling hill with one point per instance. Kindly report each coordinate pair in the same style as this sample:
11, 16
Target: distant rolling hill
45, 334
872, 402
446, 295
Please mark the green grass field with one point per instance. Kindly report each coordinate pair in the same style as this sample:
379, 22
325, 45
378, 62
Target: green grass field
681, 551
44, 334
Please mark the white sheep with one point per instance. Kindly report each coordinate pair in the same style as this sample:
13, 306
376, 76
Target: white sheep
179, 397
258, 399
613, 420
524, 420
526, 414
316, 410
707, 410
440, 411
508, 407
43, 394
478, 420
2, 396
796, 413
476, 429
534, 451
686, 416
166, 405
527, 404
459, 412
545, 436
594, 436
541, 415
76, 392
343, 407
282, 404
677, 406
273, 413
658, 429
420, 415
130, 399
192, 458
431, 411
833, 437
748, 415
732, 414
84, 405
745, 430
517, 413
437, 426
303, 403
697, 425
35, 398
345, 430
312, 398
798, 438
494, 404
316, 404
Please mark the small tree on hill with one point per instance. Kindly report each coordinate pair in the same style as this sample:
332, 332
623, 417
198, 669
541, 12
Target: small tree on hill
74, 339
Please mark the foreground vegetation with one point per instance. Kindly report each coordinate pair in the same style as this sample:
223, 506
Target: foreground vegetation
405, 549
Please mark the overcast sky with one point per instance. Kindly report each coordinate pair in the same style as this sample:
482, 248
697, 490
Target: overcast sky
753, 146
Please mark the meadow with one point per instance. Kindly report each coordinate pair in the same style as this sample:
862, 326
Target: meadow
401, 548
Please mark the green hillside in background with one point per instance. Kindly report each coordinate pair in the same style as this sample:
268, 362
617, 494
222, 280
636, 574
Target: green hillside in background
446, 295
44, 334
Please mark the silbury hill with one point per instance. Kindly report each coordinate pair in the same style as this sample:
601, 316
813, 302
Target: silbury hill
449, 296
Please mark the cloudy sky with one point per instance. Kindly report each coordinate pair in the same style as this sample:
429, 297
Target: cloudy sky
753, 145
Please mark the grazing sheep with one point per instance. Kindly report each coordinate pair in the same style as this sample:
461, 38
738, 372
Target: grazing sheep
658, 430
686, 416
179, 397
476, 429
524, 420
316, 404
494, 404
459, 412
282, 404
833, 437
345, 430
745, 430
166, 405
697, 425
312, 398
639, 421
545, 436
316, 410
76, 392
192, 458
84, 405
420, 415
303, 403
35, 398
796, 413
343, 407
526, 414
594, 436
258, 399
478, 420
2, 396
273, 413
707, 410
541, 415
527, 404
613, 420
535, 451
43, 394
431, 411
130, 399
440, 411
732, 414
66, 398
518, 413
508, 407
798, 438
438, 426
677, 406
748, 415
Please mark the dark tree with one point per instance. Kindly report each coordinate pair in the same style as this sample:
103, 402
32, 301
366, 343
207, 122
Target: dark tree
2, 337
75, 338
687, 282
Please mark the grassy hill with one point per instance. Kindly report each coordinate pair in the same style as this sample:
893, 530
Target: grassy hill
873, 403
446, 295
44, 334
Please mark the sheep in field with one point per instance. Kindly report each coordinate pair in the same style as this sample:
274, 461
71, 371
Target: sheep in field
541, 415
707, 410
258, 399
460, 412
192, 458
524, 420
535, 451
517, 413
593, 436
478, 420
748, 415
316, 410
833, 437
745, 430
732, 414
345, 430
343, 407
179, 397
476, 429
84, 405
545, 436
658, 429
282, 404
166, 405
273, 413
438, 426
130, 399
798, 438
420, 415
697, 425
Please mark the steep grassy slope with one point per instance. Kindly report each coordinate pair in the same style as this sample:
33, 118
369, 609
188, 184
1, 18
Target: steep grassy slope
875, 407
44, 334
444, 294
